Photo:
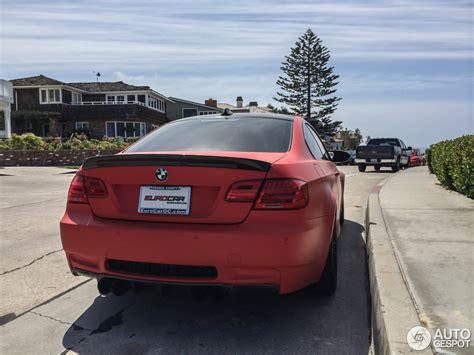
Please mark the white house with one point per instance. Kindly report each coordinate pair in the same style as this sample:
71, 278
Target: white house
6, 99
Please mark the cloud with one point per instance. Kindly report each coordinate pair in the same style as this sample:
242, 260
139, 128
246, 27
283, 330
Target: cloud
166, 33
223, 49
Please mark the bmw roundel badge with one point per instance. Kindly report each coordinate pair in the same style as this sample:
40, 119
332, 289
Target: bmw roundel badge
161, 174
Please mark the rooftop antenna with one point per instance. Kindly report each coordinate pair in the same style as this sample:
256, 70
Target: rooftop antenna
97, 75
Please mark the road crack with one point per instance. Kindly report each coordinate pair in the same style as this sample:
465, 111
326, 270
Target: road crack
30, 263
52, 318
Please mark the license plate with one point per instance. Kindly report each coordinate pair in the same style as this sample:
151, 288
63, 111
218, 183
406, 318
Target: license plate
373, 160
164, 200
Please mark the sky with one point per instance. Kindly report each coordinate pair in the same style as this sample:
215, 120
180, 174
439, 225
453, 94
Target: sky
406, 67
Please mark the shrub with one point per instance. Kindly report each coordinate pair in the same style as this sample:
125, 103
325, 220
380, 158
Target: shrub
428, 159
26, 141
77, 141
453, 163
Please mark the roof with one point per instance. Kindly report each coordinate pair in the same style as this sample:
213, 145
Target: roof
38, 80
95, 86
195, 103
241, 115
98, 86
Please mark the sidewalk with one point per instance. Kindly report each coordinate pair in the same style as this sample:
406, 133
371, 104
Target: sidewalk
431, 233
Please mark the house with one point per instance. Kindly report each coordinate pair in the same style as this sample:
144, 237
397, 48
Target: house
179, 108
49, 107
334, 143
239, 107
6, 99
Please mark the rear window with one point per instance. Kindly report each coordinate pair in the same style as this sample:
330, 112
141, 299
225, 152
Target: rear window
387, 141
249, 134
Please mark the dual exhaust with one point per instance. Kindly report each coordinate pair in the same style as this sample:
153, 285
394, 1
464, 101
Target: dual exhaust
117, 287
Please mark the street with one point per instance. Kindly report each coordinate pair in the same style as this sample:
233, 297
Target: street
50, 311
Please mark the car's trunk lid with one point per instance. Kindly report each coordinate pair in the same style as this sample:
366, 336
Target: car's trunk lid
208, 174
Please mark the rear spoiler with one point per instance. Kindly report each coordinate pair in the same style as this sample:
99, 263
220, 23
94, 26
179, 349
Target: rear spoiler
109, 161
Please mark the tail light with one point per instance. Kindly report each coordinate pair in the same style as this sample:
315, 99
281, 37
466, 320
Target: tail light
83, 187
274, 194
244, 191
283, 194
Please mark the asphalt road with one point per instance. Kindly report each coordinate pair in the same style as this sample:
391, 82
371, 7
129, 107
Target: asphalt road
46, 310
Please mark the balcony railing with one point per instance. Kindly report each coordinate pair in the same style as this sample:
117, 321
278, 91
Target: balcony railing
109, 103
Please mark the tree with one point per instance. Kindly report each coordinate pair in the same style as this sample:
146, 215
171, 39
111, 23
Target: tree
308, 83
283, 110
351, 138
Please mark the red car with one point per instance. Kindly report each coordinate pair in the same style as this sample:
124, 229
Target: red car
232, 199
416, 159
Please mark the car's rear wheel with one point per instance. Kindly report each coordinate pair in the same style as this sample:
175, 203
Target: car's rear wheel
377, 168
361, 167
341, 216
396, 167
328, 281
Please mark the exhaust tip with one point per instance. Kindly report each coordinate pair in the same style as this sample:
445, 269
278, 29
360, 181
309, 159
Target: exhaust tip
104, 286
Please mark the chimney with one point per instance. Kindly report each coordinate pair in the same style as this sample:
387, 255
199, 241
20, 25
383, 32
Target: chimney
239, 101
253, 103
211, 102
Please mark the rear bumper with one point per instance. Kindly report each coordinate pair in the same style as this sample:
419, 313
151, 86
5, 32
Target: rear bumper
378, 162
287, 252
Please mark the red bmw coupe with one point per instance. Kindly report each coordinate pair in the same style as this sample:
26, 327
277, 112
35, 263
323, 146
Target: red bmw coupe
232, 199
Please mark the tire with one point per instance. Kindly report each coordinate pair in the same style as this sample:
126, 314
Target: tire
396, 167
361, 167
341, 216
328, 281
377, 168
407, 165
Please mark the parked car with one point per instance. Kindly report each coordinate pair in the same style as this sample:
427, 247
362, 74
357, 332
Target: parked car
236, 199
383, 152
416, 158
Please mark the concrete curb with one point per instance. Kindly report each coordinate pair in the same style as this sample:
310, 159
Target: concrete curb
393, 310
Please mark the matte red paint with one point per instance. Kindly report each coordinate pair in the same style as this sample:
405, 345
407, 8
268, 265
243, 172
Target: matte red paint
286, 248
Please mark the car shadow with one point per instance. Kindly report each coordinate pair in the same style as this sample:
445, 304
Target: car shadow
175, 319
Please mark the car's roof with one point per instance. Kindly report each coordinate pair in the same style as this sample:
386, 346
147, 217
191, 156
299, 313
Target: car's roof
240, 115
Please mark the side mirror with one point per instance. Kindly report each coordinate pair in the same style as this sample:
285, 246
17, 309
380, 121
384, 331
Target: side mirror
409, 147
339, 156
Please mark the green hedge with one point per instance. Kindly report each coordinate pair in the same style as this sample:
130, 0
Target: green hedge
453, 163
28, 141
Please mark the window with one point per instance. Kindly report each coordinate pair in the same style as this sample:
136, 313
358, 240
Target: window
201, 113
312, 144
322, 148
131, 98
243, 134
155, 103
76, 98
50, 96
115, 99
188, 112
82, 126
45, 129
125, 129
2, 120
